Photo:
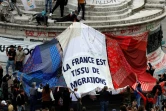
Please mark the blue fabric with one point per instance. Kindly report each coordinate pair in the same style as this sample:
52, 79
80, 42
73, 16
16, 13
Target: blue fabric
43, 13
137, 95
43, 66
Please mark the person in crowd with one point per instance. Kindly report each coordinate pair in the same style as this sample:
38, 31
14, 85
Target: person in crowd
11, 57
137, 96
75, 99
42, 17
60, 3
48, 2
5, 86
15, 91
39, 97
157, 90
70, 17
81, 5
127, 96
123, 108
1, 74
151, 69
32, 97
47, 96
20, 100
13, 5
148, 101
163, 86
104, 98
162, 77
141, 108
10, 106
66, 99
19, 58
4, 105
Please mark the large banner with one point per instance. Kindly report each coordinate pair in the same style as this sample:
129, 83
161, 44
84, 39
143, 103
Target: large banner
85, 64
6, 42
29, 4
127, 60
100, 2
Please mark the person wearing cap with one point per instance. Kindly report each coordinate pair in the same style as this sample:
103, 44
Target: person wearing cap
19, 58
11, 53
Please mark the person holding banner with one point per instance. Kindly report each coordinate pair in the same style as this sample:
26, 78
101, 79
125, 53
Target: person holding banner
11, 58
104, 98
75, 99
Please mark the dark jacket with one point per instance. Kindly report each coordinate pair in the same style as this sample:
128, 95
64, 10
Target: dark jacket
155, 88
104, 95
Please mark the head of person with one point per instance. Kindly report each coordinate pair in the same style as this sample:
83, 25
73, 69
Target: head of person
11, 47
157, 82
139, 85
83, 108
47, 88
19, 48
141, 108
148, 95
105, 88
33, 84
71, 109
134, 103
123, 108
75, 89
76, 12
41, 85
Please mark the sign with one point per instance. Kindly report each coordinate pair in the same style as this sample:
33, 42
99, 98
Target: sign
26, 45
85, 64
28, 4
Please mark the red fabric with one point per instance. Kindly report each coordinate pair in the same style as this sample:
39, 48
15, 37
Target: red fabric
151, 100
127, 59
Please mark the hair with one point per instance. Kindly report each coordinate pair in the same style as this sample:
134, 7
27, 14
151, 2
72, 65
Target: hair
11, 46
71, 109
105, 88
47, 88
157, 82
139, 85
83, 108
75, 89
33, 84
141, 108
123, 108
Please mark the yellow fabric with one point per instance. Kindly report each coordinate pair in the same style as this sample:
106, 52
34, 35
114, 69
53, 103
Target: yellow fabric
10, 108
81, 1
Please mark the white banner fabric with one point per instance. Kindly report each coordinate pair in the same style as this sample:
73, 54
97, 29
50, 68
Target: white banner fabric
28, 4
85, 64
26, 45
